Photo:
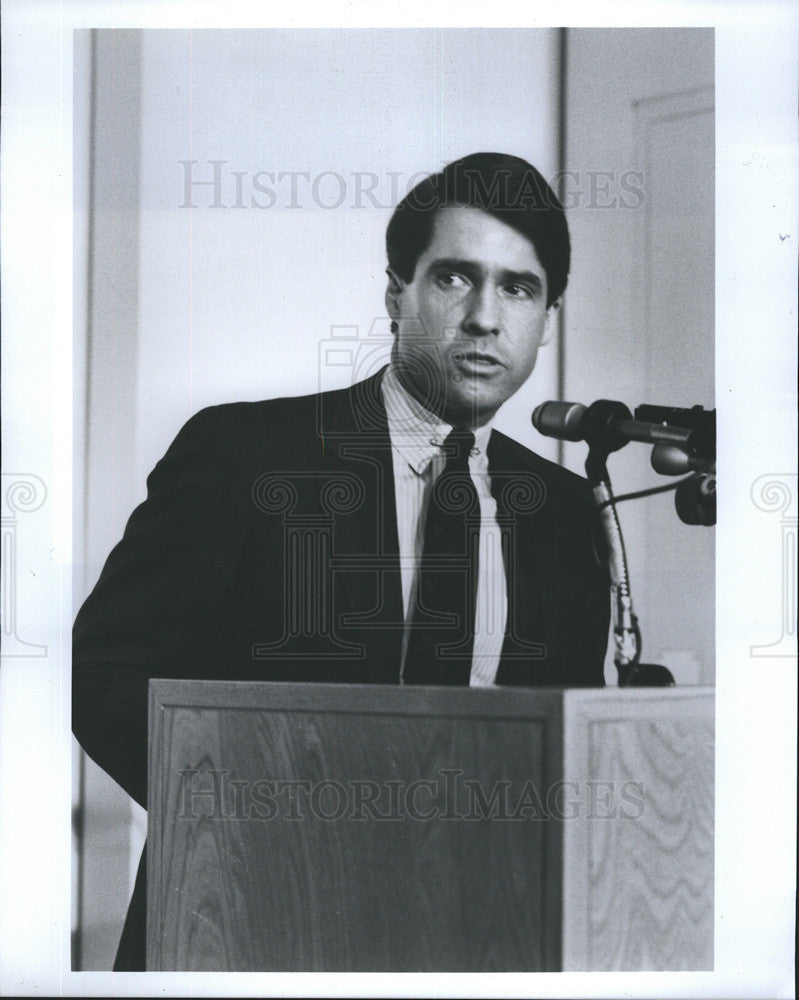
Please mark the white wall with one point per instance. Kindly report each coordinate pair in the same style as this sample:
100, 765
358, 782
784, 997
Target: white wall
234, 301
639, 313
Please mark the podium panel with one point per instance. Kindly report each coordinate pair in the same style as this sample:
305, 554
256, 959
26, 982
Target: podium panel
369, 828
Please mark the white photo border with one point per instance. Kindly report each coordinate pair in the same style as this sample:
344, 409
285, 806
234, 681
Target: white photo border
757, 234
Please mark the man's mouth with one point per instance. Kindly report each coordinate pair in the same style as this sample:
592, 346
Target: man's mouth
477, 360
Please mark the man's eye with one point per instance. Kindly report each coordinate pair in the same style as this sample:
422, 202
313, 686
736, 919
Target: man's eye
448, 279
519, 291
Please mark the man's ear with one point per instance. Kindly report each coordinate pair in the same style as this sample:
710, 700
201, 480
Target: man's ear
551, 322
394, 289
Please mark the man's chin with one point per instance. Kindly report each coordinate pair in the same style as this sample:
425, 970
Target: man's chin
470, 404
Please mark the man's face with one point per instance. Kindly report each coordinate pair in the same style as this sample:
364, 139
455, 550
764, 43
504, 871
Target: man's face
473, 317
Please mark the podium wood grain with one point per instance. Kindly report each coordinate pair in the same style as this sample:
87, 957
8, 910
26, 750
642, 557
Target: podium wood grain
638, 883
238, 884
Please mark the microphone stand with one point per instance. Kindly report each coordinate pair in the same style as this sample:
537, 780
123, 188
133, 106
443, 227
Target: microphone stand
626, 634
684, 441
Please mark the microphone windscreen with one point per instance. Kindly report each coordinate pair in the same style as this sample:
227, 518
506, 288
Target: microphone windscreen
671, 460
560, 420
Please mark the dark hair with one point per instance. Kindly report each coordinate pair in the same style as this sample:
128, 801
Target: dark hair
507, 187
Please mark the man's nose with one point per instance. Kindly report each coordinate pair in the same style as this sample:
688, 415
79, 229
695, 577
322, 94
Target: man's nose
483, 314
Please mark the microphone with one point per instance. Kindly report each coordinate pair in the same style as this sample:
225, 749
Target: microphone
560, 420
605, 424
695, 500
684, 440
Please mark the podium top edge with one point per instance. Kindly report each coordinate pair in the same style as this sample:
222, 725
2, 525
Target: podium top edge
402, 700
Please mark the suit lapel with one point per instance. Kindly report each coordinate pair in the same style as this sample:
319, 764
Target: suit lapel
366, 575
520, 495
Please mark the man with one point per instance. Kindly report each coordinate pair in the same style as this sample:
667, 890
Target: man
379, 534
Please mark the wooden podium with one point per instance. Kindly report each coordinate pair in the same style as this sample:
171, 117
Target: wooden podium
371, 828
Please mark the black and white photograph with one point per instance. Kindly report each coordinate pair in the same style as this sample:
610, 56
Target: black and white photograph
395, 624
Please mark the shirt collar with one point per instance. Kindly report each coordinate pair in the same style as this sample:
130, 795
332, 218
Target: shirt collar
416, 433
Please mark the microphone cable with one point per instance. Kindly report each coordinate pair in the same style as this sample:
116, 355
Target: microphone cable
649, 492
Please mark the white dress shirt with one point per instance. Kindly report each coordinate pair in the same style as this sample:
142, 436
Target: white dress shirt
418, 459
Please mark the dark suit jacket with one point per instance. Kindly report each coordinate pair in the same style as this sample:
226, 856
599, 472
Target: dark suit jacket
253, 498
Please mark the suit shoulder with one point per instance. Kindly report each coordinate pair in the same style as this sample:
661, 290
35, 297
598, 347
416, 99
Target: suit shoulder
284, 427
255, 413
251, 415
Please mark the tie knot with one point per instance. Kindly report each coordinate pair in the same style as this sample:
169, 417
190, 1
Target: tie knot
458, 446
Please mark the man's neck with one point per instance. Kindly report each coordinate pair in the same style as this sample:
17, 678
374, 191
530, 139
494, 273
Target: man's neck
472, 421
